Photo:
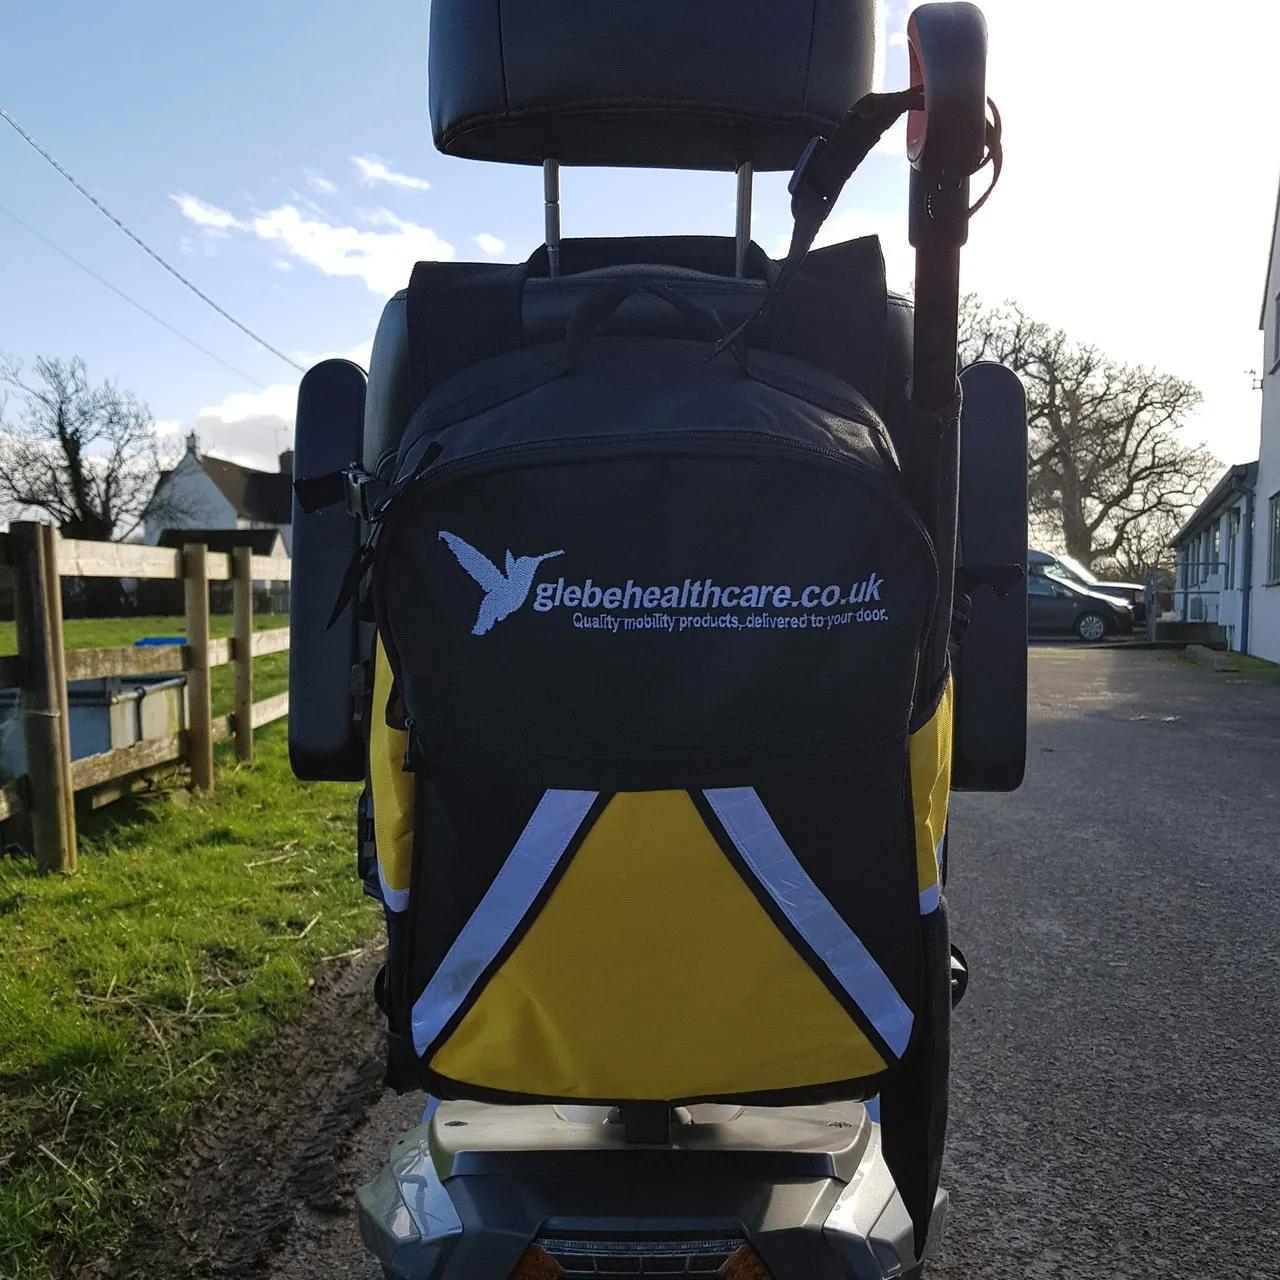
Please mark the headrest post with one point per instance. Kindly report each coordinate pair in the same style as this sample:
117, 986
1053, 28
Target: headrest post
746, 173
551, 197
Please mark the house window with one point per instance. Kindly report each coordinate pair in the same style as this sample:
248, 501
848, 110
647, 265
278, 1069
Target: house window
1273, 524
1233, 547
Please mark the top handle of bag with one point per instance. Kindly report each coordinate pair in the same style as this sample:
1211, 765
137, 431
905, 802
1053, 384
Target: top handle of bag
595, 310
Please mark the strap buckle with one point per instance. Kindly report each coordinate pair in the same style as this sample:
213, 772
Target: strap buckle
354, 487
801, 186
363, 493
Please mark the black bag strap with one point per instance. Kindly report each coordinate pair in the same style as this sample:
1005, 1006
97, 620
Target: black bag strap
591, 315
460, 314
317, 492
826, 164
970, 579
1001, 578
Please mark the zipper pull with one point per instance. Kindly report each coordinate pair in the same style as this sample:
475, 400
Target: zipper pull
413, 757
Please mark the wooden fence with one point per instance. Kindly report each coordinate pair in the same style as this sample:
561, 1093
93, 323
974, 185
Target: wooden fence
38, 558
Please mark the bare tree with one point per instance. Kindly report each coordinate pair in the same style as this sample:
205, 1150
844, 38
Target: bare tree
1107, 464
85, 456
1148, 543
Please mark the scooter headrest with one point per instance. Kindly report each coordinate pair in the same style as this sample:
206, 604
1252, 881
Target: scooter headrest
680, 84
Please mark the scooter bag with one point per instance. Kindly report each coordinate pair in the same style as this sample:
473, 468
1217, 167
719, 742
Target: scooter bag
654, 627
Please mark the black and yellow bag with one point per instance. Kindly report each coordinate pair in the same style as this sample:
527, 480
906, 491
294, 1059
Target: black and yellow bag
661, 792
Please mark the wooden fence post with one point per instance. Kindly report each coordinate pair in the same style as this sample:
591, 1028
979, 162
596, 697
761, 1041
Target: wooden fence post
195, 573
46, 725
242, 608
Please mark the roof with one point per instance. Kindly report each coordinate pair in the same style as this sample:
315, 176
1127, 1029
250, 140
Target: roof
1239, 479
262, 542
265, 496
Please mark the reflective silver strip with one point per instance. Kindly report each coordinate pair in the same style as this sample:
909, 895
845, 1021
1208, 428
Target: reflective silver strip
758, 840
930, 897
395, 899
528, 867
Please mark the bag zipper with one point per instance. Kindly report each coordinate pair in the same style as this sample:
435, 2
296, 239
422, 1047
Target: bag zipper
510, 454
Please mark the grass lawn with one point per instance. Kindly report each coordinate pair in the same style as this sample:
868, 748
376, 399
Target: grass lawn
1255, 668
133, 988
1243, 667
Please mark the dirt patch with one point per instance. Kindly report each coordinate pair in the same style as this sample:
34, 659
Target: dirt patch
269, 1153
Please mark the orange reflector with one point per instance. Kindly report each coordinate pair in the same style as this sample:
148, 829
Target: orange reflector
537, 1264
745, 1265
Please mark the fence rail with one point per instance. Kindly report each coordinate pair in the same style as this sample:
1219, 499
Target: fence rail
80, 559
37, 559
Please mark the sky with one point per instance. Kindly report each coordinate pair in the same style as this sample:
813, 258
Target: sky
280, 156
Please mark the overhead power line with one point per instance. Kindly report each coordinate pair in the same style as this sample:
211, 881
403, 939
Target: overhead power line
133, 302
142, 244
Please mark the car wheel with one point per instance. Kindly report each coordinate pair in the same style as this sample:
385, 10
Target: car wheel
1091, 627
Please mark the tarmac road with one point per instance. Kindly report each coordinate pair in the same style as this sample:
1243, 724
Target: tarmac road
1114, 1105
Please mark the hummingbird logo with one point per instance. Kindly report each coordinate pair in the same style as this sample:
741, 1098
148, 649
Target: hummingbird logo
504, 593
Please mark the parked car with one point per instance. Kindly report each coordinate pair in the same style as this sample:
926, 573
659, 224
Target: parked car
1065, 569
1058, 607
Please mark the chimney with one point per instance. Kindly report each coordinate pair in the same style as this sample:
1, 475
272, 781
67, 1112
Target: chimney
193, 444
286, 463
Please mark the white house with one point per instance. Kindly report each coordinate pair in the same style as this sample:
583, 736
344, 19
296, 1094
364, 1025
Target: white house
212, 493
1228, 553
1264, 629
1214, 575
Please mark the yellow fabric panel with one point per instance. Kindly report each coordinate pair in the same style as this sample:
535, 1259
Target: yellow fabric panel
391, 786
652, 972
931, 787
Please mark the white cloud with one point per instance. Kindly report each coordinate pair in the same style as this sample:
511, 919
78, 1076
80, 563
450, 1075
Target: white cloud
372, 171
489, 244
278, 401
252, 427
317, 182
378, 217
383, 259
208, 217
